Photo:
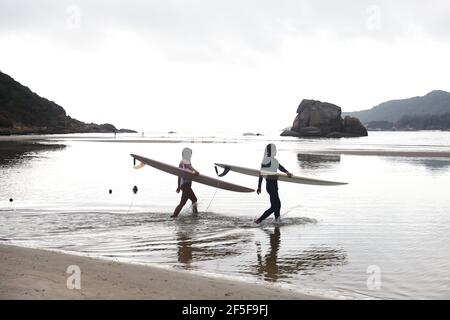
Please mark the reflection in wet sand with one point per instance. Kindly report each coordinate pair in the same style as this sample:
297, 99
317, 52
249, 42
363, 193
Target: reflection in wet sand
433, 164
272, 267
195, 243
184, 244
12, 152
390, 152
268, 266
317, 161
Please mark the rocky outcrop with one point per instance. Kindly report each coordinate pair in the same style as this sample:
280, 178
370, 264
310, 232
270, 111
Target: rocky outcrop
24, 112
322, 119
353, 126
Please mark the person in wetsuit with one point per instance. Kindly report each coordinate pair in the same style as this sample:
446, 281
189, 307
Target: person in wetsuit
185, 185
271, 164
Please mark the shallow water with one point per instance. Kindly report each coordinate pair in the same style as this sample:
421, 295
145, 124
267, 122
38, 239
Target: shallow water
393, 216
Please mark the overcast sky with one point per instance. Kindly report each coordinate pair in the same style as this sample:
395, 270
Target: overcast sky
224, 65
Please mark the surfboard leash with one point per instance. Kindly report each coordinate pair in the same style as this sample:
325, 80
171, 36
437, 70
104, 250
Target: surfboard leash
225, 171
135, 188
214, 195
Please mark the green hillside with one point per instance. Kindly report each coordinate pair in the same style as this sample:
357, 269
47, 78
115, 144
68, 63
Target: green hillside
23, 111
434, 103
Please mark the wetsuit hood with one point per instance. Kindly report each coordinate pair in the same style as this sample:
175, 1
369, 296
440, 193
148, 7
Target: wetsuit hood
269, 163
271, 150
186, 155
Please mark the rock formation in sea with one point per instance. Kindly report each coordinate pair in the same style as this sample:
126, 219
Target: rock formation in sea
321, 119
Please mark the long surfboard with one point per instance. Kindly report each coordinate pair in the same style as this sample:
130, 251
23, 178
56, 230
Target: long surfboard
279, 176
187, 174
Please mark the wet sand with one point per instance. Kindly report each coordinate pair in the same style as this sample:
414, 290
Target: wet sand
38, 274
389, 153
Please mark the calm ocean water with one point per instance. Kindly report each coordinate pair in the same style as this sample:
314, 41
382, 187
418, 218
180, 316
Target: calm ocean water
392, 219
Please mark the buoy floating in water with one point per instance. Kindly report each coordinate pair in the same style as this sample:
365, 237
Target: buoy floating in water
135, 189
110, 191
11, 200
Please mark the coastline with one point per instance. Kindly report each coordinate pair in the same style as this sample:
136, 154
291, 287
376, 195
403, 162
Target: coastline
322, 151
39, 274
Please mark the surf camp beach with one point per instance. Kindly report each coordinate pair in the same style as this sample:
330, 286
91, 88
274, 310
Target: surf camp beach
224, 150
37, 274
328, 244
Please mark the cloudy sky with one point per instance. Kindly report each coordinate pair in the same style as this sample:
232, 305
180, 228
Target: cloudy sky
227, 65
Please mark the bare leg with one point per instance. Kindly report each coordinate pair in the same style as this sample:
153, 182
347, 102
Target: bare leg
191, 195
184, 199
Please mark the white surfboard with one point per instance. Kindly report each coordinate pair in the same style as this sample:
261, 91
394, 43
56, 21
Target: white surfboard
212, 182
279, 176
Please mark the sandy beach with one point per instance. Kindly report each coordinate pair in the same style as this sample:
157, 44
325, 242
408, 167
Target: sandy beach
175, 155
61, 193
38, 274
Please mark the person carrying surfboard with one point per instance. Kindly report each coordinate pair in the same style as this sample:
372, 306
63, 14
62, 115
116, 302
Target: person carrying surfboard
185, 185
270, 165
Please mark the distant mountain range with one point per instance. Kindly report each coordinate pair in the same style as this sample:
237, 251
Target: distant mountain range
24, 112
434, 103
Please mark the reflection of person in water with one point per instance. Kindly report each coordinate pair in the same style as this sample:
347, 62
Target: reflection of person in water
268, 266
184, 248
270, 164
274, 266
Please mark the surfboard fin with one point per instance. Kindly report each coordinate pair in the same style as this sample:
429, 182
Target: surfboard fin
139, 166
225, 171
